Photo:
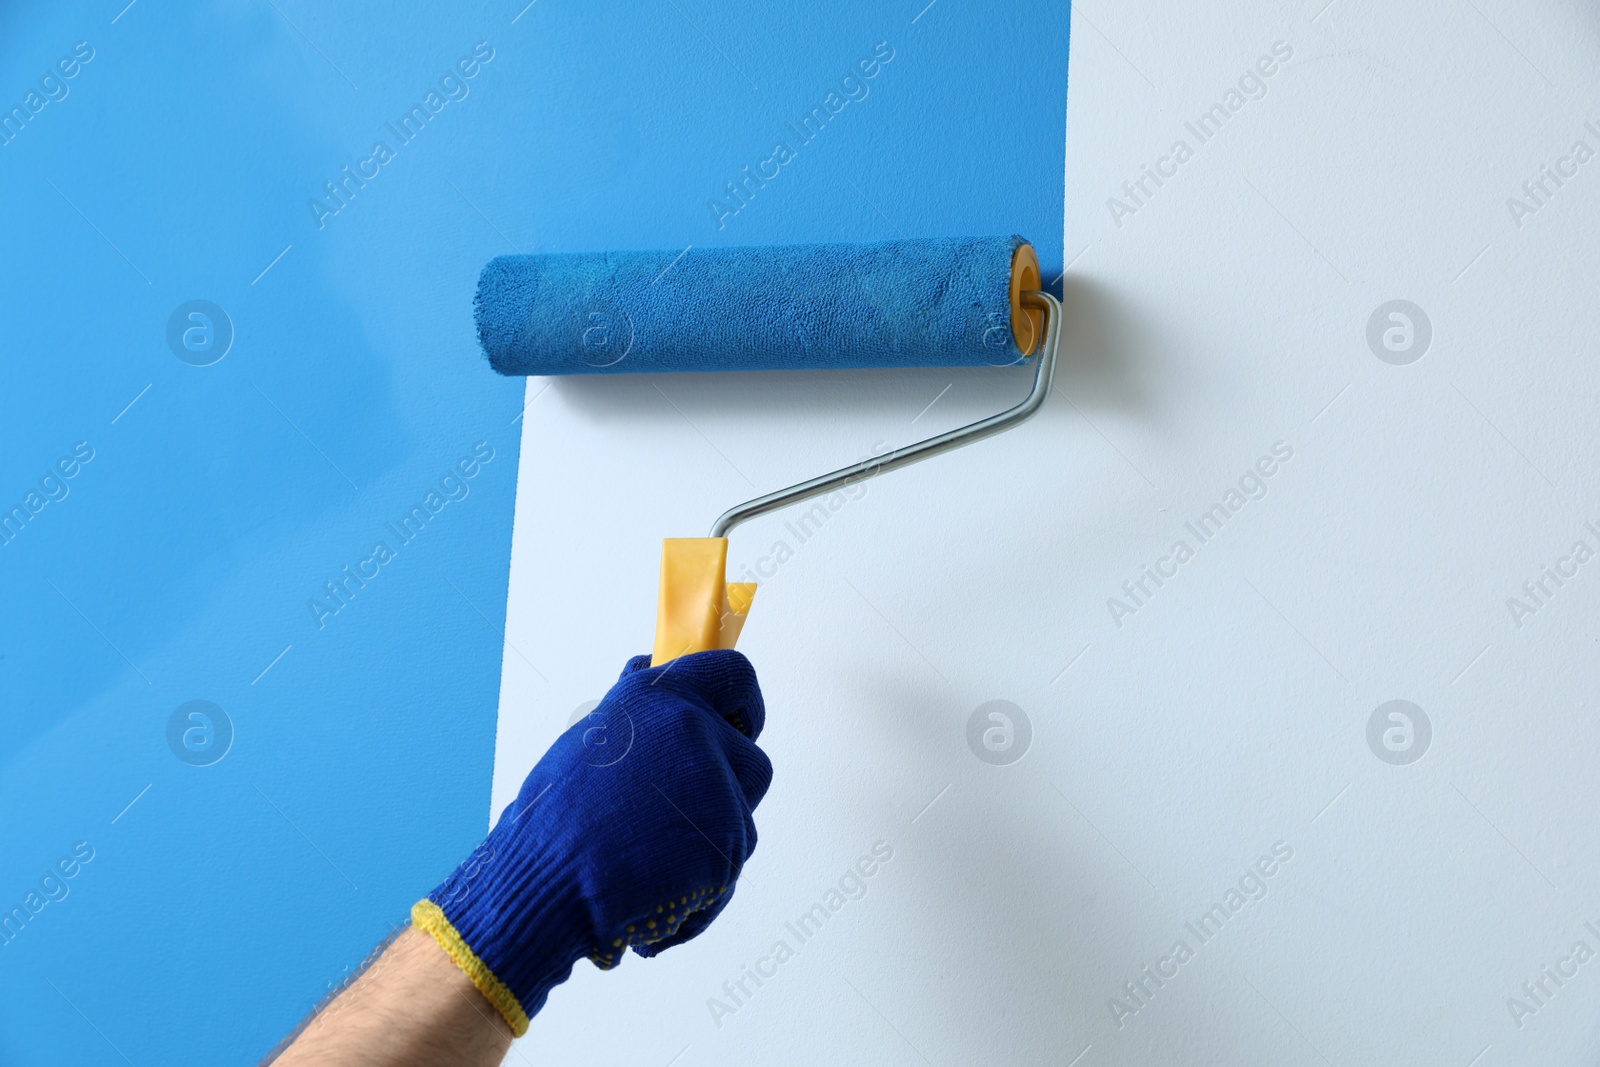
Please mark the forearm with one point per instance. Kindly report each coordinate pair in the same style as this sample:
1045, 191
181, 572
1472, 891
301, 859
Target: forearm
412, 1008
594, 859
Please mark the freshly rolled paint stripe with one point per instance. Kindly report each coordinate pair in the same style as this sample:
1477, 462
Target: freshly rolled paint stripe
426, 915
937, 302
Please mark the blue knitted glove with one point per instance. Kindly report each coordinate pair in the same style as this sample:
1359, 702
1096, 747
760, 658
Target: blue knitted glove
630, 831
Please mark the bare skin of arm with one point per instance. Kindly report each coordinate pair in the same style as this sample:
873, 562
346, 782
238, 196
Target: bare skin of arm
412, 1008
519, 913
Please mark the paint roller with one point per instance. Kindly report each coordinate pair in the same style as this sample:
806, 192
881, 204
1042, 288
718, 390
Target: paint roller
940, 302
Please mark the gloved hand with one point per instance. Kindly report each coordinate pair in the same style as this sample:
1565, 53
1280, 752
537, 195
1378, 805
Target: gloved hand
630, 831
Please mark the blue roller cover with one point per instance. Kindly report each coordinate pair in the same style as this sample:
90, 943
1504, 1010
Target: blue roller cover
939, 302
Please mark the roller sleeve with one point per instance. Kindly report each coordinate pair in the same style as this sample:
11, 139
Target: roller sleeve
910, 303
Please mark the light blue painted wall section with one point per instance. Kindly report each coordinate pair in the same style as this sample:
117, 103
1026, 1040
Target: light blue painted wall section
179, 163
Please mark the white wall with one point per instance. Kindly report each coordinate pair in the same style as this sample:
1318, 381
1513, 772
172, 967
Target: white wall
1229, 713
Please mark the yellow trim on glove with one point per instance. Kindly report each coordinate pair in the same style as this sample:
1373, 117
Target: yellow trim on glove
426, 915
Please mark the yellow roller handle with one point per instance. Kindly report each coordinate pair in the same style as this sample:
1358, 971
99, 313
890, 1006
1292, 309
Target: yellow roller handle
697, 608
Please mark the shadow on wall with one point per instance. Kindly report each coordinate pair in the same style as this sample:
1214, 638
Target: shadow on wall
1107, 352
1104, 359
995, 866
1005, 871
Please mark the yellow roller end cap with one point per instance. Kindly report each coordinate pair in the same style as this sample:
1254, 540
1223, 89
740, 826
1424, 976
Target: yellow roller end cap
697, 608
1027, 324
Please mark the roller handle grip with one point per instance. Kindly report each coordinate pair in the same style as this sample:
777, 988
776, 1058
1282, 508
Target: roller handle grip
696, 608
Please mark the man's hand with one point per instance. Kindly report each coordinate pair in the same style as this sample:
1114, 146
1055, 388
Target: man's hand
630, 832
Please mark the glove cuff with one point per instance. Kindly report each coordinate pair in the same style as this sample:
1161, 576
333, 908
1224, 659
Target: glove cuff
513, 918
426, 915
